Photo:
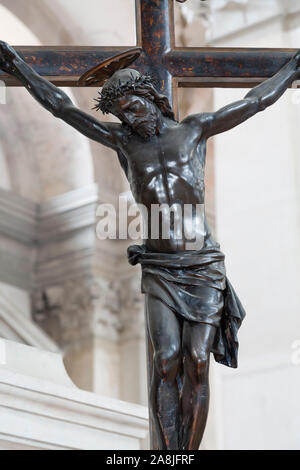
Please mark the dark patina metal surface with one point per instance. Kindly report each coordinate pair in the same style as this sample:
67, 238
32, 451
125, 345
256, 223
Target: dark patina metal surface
196, 67
171, 169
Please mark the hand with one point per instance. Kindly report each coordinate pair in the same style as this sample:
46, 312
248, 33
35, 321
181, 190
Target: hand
7, 55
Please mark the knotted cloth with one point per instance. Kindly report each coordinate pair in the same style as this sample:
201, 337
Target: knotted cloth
190, 284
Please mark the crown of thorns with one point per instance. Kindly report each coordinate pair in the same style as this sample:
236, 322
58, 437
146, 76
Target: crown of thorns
111, 92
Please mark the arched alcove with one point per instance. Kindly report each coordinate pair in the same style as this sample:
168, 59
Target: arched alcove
44, 157
60, 23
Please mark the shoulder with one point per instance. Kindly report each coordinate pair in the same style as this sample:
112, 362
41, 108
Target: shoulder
198, 119
116, 132
201, 121
113, 127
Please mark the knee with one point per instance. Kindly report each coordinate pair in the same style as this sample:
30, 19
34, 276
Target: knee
199, 361
166, 362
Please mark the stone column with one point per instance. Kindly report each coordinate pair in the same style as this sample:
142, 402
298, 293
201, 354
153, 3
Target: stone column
99, 324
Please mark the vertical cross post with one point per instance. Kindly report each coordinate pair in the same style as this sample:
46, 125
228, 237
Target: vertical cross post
205, 67
156, 35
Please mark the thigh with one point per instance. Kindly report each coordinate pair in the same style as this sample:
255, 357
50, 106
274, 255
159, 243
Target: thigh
163, 325
197, 340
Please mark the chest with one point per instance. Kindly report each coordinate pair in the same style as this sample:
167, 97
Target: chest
175, 151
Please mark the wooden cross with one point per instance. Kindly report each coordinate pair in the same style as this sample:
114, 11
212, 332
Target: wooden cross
171, 66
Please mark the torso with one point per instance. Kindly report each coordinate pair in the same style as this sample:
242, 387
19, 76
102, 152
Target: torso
169, 169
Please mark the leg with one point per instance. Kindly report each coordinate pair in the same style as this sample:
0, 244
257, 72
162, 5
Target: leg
164, 331
197, 342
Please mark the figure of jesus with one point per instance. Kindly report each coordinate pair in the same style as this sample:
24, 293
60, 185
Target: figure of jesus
191, 308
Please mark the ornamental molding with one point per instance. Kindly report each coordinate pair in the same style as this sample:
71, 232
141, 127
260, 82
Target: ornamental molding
132, 314
205, 9
90, 307
54, 242
42, 409
224, 18
18, 217
81, 287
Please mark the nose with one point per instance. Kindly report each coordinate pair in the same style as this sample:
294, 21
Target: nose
129, 117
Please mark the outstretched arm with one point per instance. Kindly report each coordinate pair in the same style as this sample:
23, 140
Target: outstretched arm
258, 99
55, 100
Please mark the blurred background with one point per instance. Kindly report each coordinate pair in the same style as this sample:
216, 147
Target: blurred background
64, 290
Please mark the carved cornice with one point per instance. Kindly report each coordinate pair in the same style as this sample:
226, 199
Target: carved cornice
221, 24
18, 217
17, 264
66, 237
18, 235
47, 243
107, 307
64, 214
66, 311
81, 286
87, 307
132, 314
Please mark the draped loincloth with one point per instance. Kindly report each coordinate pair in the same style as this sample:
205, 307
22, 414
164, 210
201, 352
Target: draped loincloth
190, 283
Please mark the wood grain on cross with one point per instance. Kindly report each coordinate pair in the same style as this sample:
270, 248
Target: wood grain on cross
171, 66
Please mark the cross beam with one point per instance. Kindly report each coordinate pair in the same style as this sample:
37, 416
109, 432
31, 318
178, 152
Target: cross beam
171, 66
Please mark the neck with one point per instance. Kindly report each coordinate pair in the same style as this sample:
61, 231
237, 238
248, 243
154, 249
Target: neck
162, 123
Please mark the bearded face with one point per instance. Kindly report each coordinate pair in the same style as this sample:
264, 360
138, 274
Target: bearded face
138, 113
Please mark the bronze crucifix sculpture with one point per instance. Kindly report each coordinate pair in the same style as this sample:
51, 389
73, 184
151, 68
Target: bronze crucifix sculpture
191, 308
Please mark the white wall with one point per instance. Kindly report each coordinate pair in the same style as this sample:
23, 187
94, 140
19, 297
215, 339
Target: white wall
257, 199
110, 21
46, 158
257, 207
4, 173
